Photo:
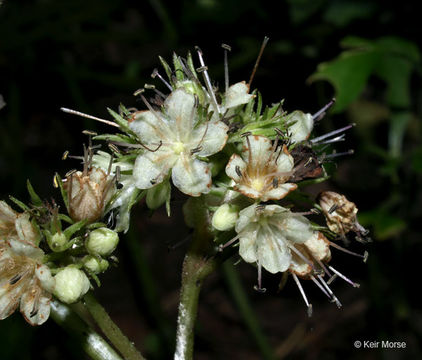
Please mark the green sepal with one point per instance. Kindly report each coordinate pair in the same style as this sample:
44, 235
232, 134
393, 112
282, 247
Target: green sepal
166, 67
74, 228
62, 190
178, 68
123, 123
115, 137
35, 199
19, 203
191, 66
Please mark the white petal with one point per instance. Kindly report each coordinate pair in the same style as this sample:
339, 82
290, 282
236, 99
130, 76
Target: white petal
7, 214
26, 248
35, 305
237, 94
180, 107
260, 151
235, 161
285, 163
248, 191
299, 266
152, 167
302, 127
9, 301
151, 128
247, 246
25, 230
296, 228
211, 137
318, 246
246, 216
44, 276
273, 254
279, 192
191, 176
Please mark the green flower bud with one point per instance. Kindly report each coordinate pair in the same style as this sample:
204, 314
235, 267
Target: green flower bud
71, 284
158, 195
102, 242
58, 240
95, 265
225, 217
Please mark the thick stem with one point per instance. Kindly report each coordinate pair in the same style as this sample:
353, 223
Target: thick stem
93, 344
110, 329
196, 267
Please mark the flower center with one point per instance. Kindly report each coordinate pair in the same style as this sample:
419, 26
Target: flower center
178, 147
257, 184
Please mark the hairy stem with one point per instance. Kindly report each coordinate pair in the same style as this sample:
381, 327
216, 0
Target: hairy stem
93, 344
110, 329
196, 267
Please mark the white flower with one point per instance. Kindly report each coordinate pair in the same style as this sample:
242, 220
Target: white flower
237, 94
24, 280
177, 139
262, 170
267, 233
301, 126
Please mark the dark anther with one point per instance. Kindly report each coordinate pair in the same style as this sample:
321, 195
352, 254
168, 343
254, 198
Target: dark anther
15, 279
238, 171
146, 147
260, 289
275, 183
195, 150
248, 133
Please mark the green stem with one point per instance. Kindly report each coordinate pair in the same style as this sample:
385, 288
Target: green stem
110, 329
92, 343
196, 267
244, 307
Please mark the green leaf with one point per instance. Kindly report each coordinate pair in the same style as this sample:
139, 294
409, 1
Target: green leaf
348, 74
391, 59
19, 203
35, 199
166, 67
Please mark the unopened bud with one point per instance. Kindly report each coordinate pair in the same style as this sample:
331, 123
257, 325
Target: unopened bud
58, 240
225, 217
158, 195
88, 194
95, 265
71, 284
102, 242
339, 213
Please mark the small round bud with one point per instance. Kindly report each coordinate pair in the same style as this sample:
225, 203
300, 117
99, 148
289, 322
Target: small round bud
71, 284
102, 241
95, 265
225, 217
58, 240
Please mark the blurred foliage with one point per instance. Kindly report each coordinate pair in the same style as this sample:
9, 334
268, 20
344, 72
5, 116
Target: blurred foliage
92, 55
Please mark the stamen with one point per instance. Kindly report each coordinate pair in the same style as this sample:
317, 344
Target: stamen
207, 80
110, 165
196, 150
223, 246
303, 257
275, 183
156, 73
259, 288
78, 113
70, 172
238, 171
320, 286
65, 155
334, 298
261, 51
303, 294
321, 113
364, 256
335, 132
343, 277
334, 155
34, 310
15, 279
226, 64
89, 132
113, 148
334, 140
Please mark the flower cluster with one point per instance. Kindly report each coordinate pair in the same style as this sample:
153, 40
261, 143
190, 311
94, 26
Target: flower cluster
240, 164
236, 161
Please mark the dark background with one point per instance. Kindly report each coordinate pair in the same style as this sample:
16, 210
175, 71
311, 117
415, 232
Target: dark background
89, 55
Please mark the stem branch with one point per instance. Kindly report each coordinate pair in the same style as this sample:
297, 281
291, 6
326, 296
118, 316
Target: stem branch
110, 329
